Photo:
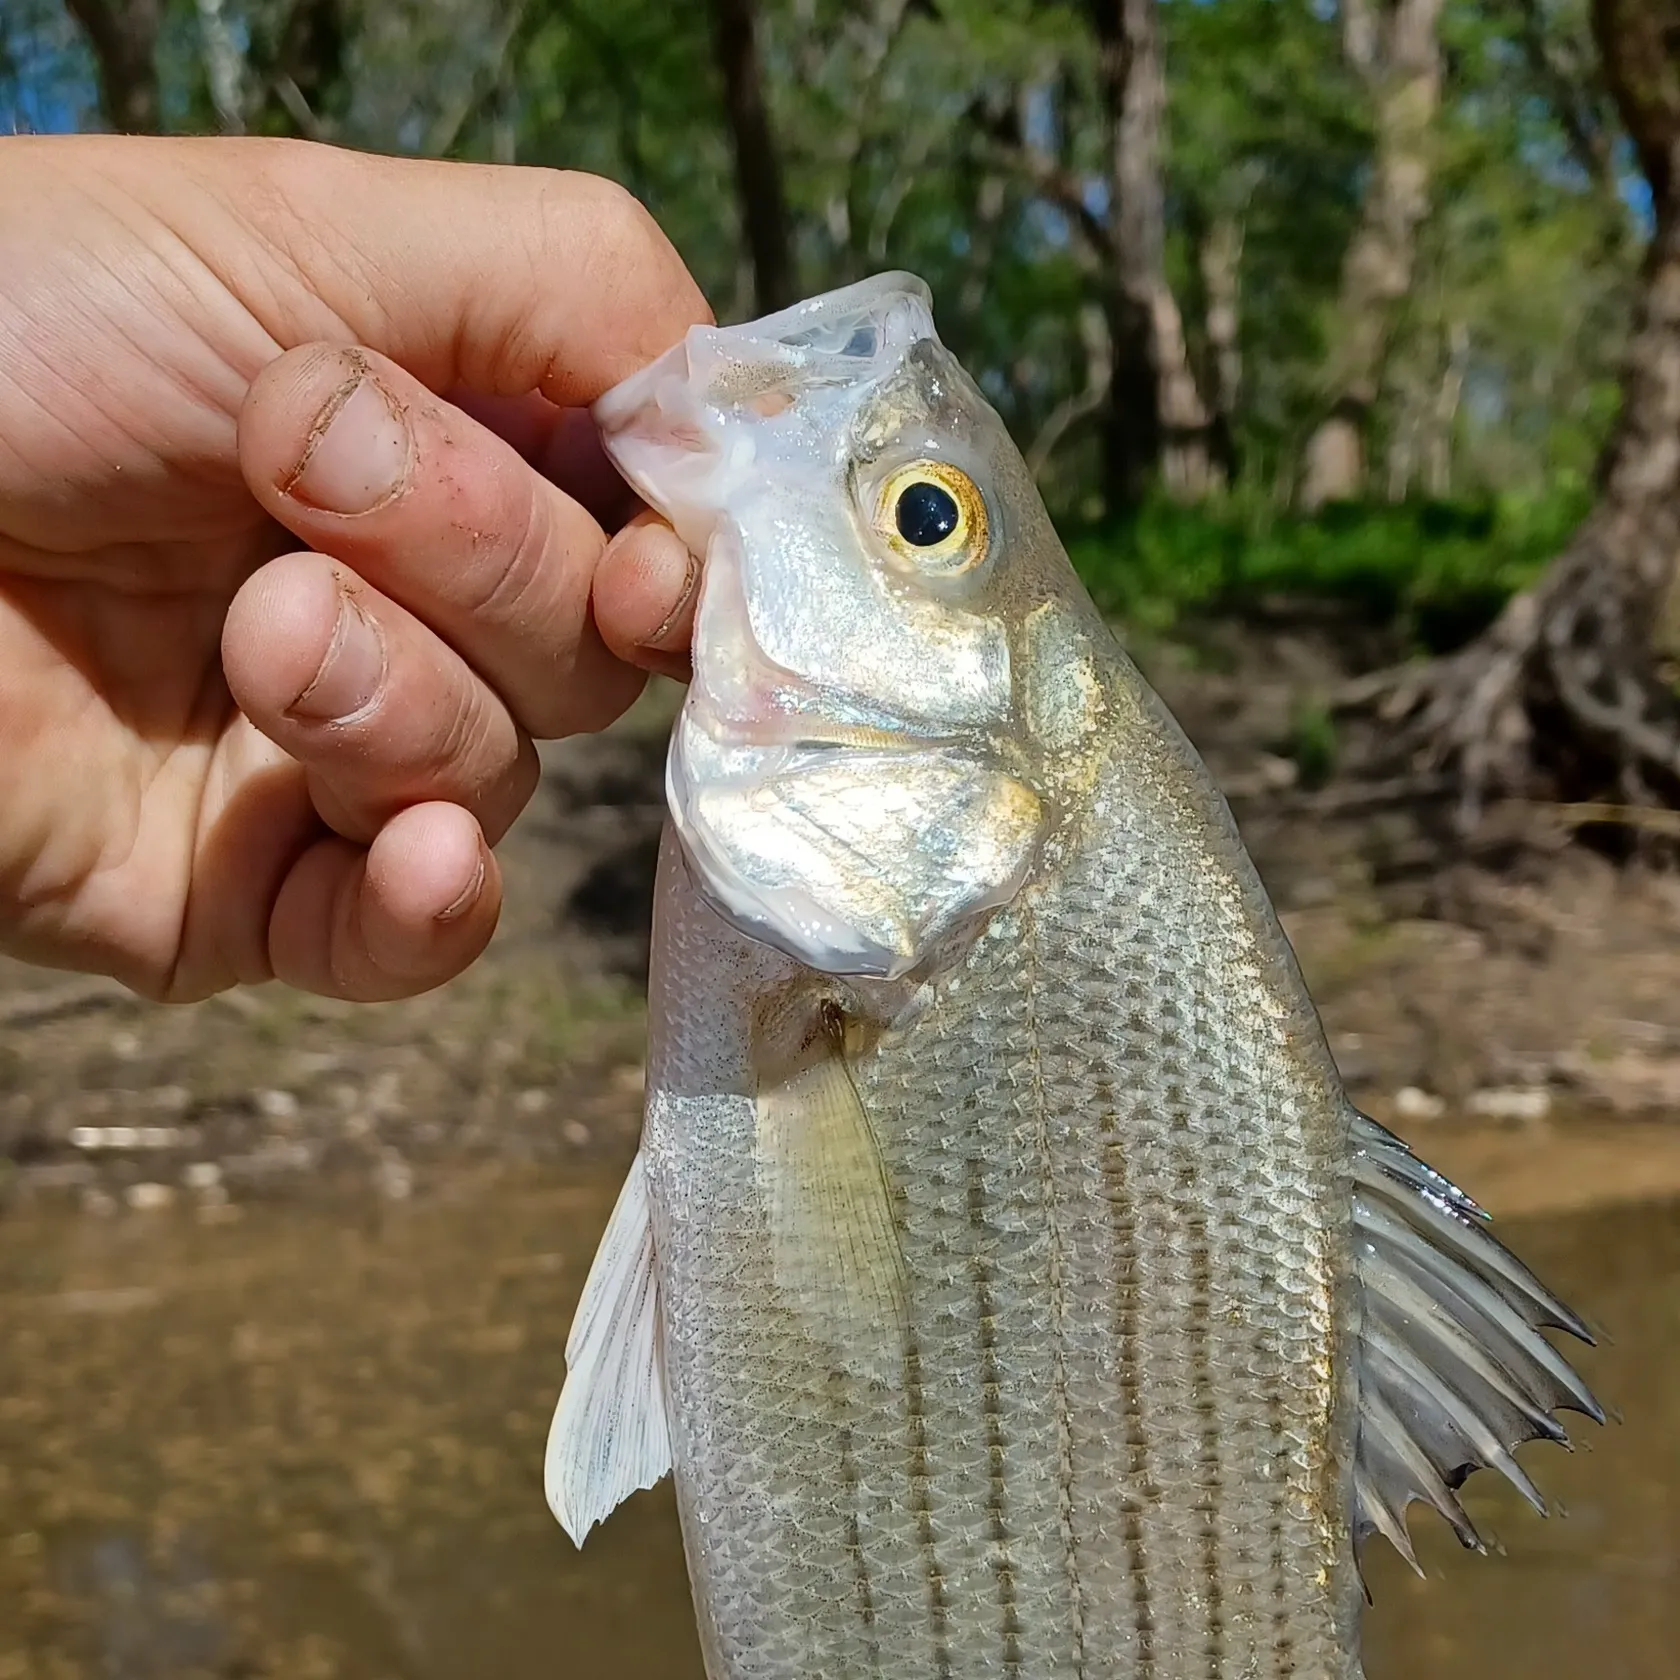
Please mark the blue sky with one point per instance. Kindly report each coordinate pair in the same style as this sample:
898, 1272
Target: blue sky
46, 78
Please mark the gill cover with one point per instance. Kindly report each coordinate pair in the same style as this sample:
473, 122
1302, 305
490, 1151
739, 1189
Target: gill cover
846, 778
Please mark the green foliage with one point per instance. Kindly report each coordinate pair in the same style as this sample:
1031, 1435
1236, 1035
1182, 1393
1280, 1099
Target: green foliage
1527, 253
1268, 125
1501, 375
1438, 570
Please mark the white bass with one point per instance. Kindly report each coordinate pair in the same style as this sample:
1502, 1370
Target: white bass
1005, 1274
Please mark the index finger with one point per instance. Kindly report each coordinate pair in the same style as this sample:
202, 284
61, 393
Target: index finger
502, 278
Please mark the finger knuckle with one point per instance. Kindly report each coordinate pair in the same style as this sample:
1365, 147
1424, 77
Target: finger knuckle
465, 749
612, 211
610, 232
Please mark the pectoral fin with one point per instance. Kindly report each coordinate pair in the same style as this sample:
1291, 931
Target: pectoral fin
827, 1200
1453, 1369
610, 1434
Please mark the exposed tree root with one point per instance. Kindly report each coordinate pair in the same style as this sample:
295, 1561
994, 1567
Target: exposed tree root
1563, 701
1569, 698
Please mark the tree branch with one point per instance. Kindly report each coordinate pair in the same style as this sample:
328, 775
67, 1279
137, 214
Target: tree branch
888, 24
123, 35
482, 85
1048, 178
298, 70
1568, 81
891, 201
1099, 370
291, 100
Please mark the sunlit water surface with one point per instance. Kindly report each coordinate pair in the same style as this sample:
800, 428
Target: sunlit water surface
306, 1444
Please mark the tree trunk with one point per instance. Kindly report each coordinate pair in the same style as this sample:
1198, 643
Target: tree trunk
1425, 392
123, 35
224, 66
308, 76
1407, 398
1219, 257
1443, 419
1156, 413
1571, 693
1397, 52
764, 217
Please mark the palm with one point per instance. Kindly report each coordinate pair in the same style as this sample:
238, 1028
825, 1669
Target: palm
113, 650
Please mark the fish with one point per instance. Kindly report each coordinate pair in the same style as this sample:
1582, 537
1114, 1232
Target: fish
1004, 1275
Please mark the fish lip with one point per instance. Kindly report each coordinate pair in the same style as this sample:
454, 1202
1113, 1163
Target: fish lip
812, 312
804, 731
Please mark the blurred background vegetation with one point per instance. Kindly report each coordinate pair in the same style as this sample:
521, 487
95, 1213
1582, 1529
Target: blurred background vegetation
1373, 300
1241, 257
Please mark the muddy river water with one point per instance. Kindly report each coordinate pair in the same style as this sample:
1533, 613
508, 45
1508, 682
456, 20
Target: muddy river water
305, 1443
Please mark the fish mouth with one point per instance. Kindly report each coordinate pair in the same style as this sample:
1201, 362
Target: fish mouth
821, 338
768, 707
676, 430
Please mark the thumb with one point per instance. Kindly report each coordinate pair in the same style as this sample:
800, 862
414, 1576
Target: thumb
497, 278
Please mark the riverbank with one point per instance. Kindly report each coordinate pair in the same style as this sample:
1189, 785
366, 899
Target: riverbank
1463, 1003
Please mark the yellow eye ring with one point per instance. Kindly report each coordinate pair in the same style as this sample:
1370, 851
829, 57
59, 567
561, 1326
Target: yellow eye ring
933, 515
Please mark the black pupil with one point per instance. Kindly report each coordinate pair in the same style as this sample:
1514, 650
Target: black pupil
927, 514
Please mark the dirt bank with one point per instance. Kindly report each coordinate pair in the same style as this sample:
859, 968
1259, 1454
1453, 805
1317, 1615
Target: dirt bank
1462, 1003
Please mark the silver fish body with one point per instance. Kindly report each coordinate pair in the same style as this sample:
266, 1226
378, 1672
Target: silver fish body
1015, 1245
1115, 1445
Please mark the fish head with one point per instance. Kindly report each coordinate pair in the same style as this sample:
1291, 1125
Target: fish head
863, 766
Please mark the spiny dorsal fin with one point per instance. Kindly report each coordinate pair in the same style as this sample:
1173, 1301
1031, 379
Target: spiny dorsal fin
834, 1245
611, 1434
1453, 1369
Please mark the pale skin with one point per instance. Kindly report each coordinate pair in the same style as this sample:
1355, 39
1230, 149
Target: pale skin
304, 539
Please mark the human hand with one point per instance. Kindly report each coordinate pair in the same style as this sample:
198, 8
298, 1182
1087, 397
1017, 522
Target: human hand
228, 445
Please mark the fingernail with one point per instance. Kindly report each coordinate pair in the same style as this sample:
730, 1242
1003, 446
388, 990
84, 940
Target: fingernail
691, 581
468, 896
351, 674
357, 453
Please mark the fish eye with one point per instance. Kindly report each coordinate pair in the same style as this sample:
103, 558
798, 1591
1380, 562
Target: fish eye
926, 513
933, 515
